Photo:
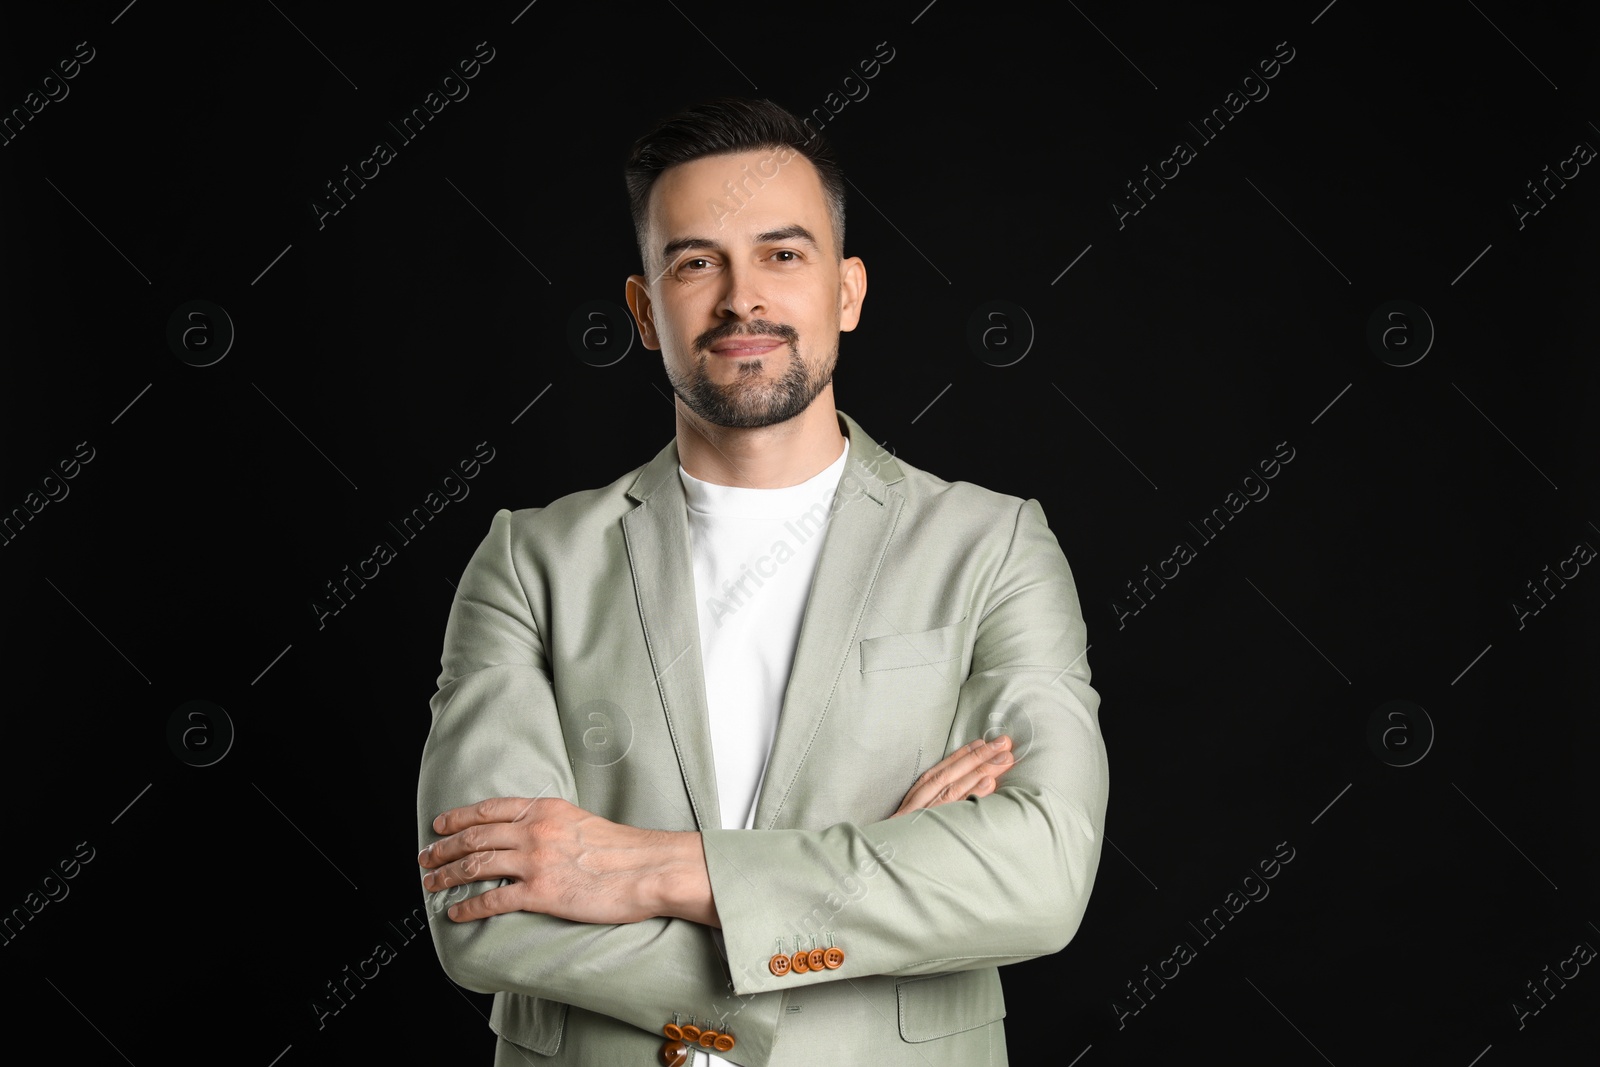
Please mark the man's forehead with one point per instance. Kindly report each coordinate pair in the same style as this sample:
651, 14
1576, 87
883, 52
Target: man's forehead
761, 189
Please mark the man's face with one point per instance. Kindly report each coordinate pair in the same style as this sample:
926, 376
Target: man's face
746, 296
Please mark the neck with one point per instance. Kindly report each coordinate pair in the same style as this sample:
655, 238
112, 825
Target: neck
769, 457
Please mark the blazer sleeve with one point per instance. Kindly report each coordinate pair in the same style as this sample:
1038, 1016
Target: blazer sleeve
968, 884
495, 733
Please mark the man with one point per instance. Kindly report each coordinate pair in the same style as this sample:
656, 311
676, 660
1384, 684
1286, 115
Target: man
664, 801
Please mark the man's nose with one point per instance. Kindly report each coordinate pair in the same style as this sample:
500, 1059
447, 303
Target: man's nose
742, 298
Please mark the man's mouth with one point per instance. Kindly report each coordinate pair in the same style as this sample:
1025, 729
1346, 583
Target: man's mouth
746, 346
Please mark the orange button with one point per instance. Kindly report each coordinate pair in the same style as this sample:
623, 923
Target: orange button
673, 1031
724, 1043
674, 1054
779, 965
708, 1038
800, 963
691, 1033
833, 959
815, 959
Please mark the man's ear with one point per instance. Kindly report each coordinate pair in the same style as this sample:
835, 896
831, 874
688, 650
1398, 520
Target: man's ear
638, 298
852, 291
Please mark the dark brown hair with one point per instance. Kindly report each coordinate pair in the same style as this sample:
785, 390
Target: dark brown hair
718, 127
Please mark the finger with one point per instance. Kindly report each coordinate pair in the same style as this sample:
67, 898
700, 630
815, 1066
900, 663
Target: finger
477, 867
976, 783
483, 837
964, 759
981, 780
494, 809
499, 901
962, 762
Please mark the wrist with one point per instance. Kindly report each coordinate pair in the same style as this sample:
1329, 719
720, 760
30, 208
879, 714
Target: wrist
683, 884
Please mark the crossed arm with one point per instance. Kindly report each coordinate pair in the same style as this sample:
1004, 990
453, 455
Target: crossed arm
569, 863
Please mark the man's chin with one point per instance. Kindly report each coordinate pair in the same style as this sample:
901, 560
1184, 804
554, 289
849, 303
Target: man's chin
743, 414
745, 420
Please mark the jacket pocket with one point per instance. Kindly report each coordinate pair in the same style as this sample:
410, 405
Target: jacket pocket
895, 651
939, 1005
529, 1022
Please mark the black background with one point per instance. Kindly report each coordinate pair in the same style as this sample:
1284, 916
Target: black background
1227, 316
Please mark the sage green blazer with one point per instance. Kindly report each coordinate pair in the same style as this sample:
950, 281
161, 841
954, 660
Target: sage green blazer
940, 612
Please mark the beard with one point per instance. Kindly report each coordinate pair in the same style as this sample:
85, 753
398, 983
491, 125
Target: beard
751, 400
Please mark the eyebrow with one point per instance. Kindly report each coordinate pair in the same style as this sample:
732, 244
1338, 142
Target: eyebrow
787, 233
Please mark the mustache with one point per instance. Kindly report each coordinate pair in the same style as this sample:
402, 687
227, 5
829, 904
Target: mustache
754, 328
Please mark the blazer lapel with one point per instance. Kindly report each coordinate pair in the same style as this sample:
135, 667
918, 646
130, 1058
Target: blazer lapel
657, 533
864, 516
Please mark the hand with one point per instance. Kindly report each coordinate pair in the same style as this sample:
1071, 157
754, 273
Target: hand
566, 862
971, 771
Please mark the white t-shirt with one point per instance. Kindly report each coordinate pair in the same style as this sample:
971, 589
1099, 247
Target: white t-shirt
755, 554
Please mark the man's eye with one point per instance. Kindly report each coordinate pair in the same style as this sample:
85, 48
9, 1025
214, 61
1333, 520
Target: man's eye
786, 252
